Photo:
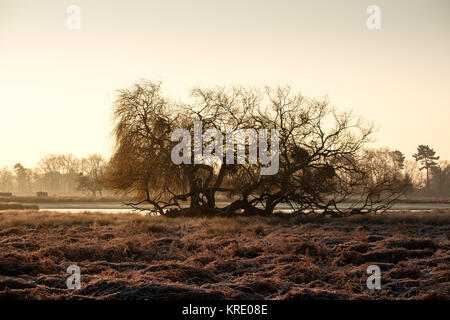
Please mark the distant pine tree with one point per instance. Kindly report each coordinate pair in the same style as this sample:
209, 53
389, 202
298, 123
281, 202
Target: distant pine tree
427, 158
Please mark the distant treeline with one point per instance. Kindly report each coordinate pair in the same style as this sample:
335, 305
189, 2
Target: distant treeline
56, 174
68, 174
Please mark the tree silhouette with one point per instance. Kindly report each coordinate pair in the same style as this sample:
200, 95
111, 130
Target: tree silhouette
426, 157
91, 177
23, 176
399, 159
322, 161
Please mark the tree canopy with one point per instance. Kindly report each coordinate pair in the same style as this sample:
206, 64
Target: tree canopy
324, 166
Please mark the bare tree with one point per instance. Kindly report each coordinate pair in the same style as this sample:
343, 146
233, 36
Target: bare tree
141, 163
322, 160
23, 177
6, 180
57, 173
92, 174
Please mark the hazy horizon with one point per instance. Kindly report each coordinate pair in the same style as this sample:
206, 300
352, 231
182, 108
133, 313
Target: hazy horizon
57, 85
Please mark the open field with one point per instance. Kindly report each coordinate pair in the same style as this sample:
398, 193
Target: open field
127, 256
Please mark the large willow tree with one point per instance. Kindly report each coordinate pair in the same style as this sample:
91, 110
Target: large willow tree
323, 162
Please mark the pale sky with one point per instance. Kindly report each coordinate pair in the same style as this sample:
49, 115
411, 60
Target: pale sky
57, 85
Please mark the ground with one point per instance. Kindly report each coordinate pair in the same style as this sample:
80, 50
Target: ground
127, 256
